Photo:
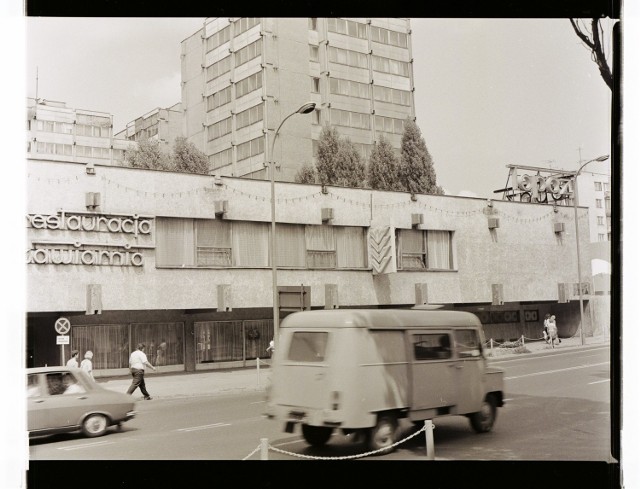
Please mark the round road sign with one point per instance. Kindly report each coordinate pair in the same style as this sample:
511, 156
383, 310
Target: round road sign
62, 325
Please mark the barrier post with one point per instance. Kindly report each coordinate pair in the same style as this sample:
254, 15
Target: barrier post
264, 449
491, 340
258, 369
428, 433
522, 340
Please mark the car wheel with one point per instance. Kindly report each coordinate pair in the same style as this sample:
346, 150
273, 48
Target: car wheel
95, 425
483, 420
316, 436
383, 434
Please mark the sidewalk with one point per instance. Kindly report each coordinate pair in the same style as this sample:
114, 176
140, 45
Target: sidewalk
220, 382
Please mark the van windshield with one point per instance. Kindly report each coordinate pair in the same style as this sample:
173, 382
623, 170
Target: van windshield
308, 346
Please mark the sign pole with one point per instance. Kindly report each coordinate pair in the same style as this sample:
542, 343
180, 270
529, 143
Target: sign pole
62, 354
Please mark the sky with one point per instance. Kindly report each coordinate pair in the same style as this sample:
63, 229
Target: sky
489, 92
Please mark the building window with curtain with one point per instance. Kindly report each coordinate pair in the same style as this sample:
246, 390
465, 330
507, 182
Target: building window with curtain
424, 249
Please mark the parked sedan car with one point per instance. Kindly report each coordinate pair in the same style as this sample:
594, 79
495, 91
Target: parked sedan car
65, 399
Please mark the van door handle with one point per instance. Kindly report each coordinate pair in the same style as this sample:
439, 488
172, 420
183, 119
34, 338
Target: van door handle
82, 397
39, 401
456, 365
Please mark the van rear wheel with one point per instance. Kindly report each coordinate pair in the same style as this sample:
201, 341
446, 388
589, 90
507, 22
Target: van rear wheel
316, 436
383, 434
483, 420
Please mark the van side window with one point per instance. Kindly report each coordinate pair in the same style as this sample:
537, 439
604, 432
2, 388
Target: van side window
431, 346
467, 343
307, 346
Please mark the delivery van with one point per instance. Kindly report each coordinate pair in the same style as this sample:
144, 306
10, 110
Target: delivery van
361, 370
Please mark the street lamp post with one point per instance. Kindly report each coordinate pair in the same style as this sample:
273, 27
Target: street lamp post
575, 218
303, 109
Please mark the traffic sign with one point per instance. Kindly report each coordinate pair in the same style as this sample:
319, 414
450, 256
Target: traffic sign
62, 340
63, 325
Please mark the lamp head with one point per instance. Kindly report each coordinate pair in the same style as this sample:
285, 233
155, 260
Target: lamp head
306, 108
602, 158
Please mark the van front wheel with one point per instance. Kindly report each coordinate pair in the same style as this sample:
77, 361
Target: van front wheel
316, 436
383, 434
483, 420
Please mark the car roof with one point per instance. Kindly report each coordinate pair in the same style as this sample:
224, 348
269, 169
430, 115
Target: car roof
381, 319
40, 370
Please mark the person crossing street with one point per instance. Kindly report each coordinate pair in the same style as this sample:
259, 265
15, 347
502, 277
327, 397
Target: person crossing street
137, 362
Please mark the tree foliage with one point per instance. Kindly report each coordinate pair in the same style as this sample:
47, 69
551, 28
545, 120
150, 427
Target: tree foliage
185, 157
328, 147
189, 159
307, 174
416, 172
148, 155
350, 169
593, 38
382, 173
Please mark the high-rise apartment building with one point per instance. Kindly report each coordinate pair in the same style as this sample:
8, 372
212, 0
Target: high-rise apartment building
60, 133
161, 124
242, 76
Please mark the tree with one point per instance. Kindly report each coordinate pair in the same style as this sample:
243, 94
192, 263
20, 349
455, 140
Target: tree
148, 155
593, 38
328, 146
189, 159
350, 169
382, 173
416, 172
307, 174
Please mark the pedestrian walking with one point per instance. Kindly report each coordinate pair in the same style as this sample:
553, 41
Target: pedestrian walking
73, 361
545, 329
553, 331
137, 362
271, 348
87, 364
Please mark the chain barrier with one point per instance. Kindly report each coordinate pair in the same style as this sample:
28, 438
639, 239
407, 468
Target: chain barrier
346, 457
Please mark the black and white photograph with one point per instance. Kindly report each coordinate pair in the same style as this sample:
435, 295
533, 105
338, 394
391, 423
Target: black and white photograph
387, 242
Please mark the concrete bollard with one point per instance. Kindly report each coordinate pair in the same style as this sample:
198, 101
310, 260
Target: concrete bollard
264, 449
522, 337
258, 369
428, 433
491, 341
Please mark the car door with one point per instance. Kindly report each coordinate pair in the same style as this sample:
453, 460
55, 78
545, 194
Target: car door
470, 366
67, 399
433, 378
36, 405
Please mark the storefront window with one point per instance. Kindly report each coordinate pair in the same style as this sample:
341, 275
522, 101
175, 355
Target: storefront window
226, 341
164, 342
108, 342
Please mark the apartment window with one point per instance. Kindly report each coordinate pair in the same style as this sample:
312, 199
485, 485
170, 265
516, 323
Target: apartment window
602, 237
389, 125
391, 95
424, 249
245, 23
598, 186
54, 148
250, 148
599, 203
314, 147
600, 220
249, 116
392, 66
350, 119
219, 68
118, 154
607, 204
314, 53
219, 38
348, 57
609, 222
220, 159
605, 186
385, 36
347, 27
219, 99
315, 85
364, 149
249, 52
249, 84
339, 86
315, 117
219, 129
313, 24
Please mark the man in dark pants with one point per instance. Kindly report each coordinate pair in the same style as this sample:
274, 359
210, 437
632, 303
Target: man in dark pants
137, 362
